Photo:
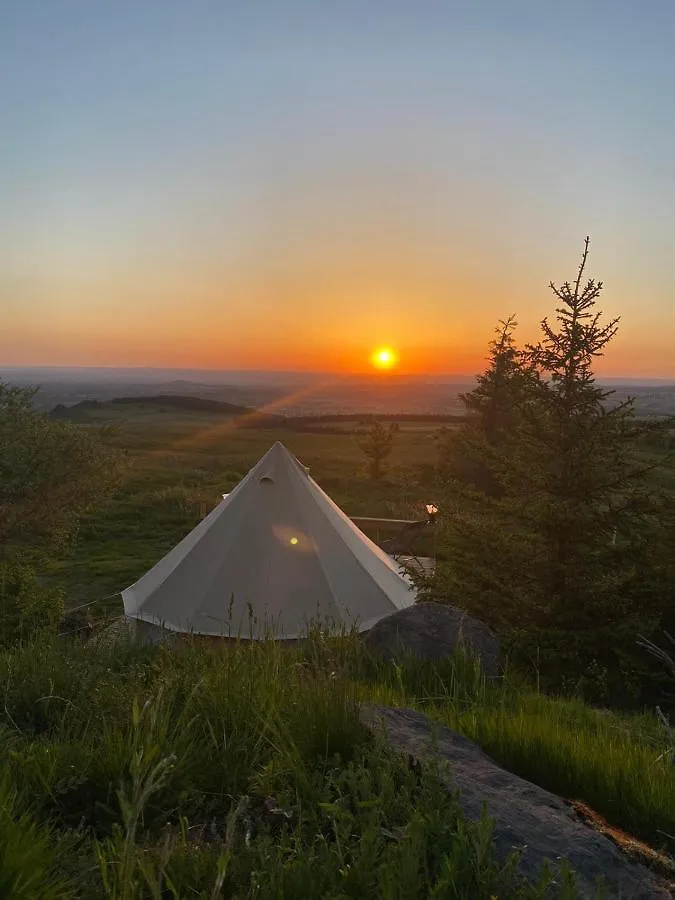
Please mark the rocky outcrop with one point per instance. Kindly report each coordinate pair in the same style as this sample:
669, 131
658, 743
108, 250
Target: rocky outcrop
433, 631
527, 818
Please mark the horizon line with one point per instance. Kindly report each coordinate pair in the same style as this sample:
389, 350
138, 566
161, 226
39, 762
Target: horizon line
668, 379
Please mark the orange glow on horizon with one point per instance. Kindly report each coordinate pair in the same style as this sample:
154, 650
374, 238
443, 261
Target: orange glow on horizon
202, 336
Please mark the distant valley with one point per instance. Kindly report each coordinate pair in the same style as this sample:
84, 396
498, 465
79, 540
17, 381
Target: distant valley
293, 394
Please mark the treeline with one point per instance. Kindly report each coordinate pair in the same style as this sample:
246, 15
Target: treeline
370, 418
557, 535
330, 423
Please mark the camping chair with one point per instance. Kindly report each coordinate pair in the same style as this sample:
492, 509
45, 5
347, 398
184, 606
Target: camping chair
401, 546
402, 543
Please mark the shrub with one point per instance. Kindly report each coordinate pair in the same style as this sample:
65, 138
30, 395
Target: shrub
26, 608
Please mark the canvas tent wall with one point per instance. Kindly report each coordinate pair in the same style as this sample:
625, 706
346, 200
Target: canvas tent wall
274, 556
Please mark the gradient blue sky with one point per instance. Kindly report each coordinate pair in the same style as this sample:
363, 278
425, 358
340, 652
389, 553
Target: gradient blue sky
288, 184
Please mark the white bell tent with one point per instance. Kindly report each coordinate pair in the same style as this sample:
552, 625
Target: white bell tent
274, 557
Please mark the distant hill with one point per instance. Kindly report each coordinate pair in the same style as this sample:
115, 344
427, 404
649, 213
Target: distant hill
98, 411
181, 401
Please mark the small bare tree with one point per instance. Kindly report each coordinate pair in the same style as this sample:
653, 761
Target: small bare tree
377, 442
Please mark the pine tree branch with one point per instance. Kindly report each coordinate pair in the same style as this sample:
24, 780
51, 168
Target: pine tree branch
581, 267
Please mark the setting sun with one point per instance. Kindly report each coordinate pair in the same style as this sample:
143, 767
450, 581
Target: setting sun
384, 358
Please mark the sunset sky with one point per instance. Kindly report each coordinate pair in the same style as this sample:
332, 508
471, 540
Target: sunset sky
291, 184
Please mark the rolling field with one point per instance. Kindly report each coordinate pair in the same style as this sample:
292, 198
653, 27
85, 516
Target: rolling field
178, 462
175, 461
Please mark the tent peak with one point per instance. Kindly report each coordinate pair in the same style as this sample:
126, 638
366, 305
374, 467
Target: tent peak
278, 448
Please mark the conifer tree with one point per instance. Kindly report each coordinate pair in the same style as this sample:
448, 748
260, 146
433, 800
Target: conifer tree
557, 544
480, 542
472, 454
577, 477
580, 462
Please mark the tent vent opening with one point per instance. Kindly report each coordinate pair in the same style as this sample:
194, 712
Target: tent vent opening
266, 479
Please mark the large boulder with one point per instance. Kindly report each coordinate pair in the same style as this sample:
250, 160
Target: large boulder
432, 631
526, 817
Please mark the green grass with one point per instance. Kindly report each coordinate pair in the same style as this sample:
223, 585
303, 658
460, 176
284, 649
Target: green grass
122, 762
621, 765
130, 758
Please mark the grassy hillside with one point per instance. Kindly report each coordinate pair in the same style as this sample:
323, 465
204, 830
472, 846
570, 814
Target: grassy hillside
242, 771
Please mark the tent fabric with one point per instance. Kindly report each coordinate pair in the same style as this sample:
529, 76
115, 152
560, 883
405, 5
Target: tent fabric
275, 556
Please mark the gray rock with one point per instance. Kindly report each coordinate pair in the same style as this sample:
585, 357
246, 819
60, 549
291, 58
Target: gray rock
526, 816
433, 631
